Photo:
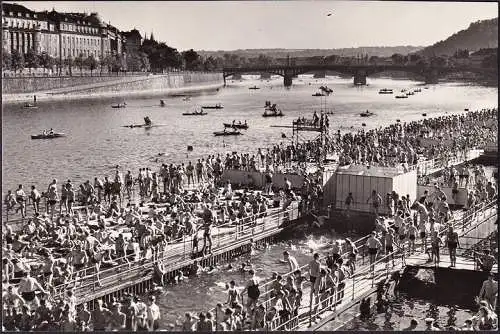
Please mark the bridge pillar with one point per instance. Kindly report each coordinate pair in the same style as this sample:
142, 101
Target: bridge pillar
288, 77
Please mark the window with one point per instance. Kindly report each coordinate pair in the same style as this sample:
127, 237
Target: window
34, 15
27, 14
19, 14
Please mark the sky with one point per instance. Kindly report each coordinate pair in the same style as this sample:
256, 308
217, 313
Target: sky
231, 25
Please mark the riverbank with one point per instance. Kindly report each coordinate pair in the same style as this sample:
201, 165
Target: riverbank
53, 89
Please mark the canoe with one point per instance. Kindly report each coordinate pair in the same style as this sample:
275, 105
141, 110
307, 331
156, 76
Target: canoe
254, 87
225, 133
318, 94
194, 114
364, 114
236, 126
272, 115
213, 107
118, 106
146, 126
30, 106
48, 136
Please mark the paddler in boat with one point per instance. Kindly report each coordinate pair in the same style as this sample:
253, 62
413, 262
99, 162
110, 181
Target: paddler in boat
51, 132
234, 121
44, 132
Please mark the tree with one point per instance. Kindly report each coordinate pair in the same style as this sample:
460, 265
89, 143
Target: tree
91, 63
79, 62
32, 59
373, 60
144, 61
133, 63
191, 59
59, 64
17, 60
209, 64
6, 59
106, 62
46, 61
415, 57
397, 59
69, 62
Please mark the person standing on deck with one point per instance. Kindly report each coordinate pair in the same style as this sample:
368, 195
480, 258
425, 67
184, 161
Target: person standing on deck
348, 202
373, 245
52, 198
35, 199
453, 243
189, 173
489, 291
376, 202
129, 184
154, 314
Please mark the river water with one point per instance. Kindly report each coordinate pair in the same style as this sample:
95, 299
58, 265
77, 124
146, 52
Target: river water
97, 142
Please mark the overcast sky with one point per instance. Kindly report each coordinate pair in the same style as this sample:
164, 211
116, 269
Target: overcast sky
230, 25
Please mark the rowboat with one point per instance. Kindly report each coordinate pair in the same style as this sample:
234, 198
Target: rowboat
318, 94
217, 106
48, 135
195, 113
30, 106
401, 96
236, 126
273, 115
385, 91
254, 87
227, 133
366, 114
119, 105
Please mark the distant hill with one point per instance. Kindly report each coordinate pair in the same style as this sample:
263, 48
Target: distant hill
480, 34
384, 51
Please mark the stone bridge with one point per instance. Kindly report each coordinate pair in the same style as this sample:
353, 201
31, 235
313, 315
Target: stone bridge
430, 74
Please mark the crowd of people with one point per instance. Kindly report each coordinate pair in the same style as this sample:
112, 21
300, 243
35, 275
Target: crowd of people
428, 220
63, 243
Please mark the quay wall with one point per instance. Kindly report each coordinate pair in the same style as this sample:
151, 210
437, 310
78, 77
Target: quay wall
108, 83
257, 179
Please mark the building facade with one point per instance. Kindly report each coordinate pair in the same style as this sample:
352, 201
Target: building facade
61, 35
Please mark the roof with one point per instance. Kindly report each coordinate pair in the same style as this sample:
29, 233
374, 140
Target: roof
14, 7
363, 170
134, 33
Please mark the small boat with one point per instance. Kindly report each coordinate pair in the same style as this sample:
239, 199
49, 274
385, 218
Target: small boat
48, 135
385, 91
30, 106
318, 94
254, 87
162, 103
187, 98
326, 89
243, 126
227, 133
401, 96
363, 124
195, 113
418, 90
274, 114
217, 106
410, 93
119, 105
466, 109
366, 114
424, 114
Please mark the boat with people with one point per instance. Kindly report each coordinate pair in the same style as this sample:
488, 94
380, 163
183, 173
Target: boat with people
385, 91
187, 98
326, 89
318, 94
271, 110
235, 125
119, 105
217, 106
28, 105
254, 87
195, 113
48, 135
147, 124
162, 103
417, 90
366, 114
227, 133
402, 96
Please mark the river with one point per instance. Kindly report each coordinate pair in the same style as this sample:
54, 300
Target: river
96, 141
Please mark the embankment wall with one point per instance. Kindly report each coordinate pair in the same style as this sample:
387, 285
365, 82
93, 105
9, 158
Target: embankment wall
106, 84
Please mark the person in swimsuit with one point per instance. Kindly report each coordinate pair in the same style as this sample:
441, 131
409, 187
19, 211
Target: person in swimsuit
453, 243
27, 288
373, 245
435, 244
412, 236
21, 200
376, 201
291, 261
389, 244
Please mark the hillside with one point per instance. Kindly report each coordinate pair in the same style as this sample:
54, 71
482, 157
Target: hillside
385, 51
480, 34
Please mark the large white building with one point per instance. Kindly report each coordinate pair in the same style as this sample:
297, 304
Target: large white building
61, 35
